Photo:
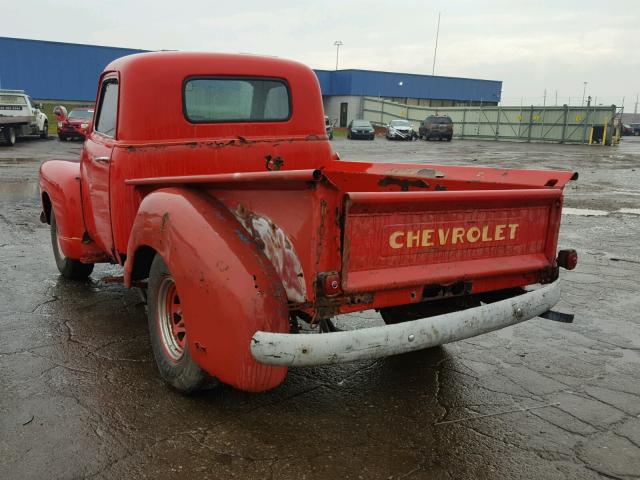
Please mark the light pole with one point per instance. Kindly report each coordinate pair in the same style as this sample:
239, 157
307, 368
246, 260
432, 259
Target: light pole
584, 90
435, 50
337, 43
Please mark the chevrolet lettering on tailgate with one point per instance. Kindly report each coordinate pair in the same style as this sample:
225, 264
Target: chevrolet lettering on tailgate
441, 237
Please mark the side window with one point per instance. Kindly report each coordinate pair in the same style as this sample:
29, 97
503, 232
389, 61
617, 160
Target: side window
108, 108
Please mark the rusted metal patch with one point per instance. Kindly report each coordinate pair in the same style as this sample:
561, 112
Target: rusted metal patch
165, 220
403, 183
416, 172
273, 163
277, 247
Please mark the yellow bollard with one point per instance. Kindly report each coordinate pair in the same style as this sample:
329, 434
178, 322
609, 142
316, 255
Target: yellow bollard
591, 136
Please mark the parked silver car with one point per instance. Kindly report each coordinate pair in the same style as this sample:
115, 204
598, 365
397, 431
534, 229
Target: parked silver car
400, 130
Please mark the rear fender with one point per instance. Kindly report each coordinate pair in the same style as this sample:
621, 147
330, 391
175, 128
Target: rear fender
60, 191
228, 288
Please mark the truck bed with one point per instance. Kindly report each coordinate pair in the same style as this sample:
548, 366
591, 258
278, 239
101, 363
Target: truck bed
447, 230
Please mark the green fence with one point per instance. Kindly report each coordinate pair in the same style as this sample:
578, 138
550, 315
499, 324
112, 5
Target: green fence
563, 124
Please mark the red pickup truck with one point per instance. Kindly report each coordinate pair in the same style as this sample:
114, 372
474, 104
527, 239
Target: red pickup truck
211, 179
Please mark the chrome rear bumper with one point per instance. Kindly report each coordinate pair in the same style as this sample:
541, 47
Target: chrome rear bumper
375, 342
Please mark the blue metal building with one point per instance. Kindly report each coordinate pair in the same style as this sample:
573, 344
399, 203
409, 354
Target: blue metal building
407, 85
68, 71
54, 70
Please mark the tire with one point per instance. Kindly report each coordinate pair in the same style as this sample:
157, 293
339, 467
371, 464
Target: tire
10, 136
45, 130
168, 334
373, 137
68, 267
449, 138
63, 138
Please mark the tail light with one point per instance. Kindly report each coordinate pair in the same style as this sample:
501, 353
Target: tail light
331, 284
568, 259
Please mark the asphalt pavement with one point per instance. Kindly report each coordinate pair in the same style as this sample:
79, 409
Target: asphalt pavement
80, 396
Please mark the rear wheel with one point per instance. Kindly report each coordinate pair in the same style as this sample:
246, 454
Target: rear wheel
45, 130
68, 267
169, 334
10, 136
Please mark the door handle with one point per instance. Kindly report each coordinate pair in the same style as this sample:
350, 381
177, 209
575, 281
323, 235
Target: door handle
101, 159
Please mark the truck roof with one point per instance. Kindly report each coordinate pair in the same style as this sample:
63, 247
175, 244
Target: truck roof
151, 95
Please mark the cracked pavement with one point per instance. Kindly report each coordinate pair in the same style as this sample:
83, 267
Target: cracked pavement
80, 397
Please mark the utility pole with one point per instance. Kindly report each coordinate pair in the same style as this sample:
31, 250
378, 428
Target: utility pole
337, 43
635, 109
584, 90
435, 50
556, 98
544, 98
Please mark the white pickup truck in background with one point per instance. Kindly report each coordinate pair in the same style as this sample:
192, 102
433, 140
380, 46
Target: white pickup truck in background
19, 116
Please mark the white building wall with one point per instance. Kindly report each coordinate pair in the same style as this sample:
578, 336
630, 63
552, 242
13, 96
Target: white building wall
332, 108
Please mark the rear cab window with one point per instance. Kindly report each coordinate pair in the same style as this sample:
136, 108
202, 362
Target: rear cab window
12, 102
438, 120
238, 99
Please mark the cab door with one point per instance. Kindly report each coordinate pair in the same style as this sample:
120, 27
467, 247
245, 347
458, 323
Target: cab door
95, 165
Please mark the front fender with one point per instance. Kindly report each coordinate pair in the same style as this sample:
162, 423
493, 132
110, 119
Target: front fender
60, 186
228, 288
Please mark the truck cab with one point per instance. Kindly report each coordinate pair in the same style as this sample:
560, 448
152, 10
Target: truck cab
211, 180
20, 115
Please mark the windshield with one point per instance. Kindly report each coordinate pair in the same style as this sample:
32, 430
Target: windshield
361, 123
400, 123
81, 114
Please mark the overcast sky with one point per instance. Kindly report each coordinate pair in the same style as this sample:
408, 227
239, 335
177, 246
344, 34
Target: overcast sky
530, 46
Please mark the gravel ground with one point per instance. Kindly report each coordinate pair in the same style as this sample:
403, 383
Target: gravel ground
80, 397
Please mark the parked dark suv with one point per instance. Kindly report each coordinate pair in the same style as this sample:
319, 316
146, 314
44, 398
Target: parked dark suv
436, 126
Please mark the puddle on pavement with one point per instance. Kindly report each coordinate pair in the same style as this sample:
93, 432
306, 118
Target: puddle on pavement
584, 212
19, 190
632, 211
10, 162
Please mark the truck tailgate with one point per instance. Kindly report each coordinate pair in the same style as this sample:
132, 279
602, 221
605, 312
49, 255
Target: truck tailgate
397, 239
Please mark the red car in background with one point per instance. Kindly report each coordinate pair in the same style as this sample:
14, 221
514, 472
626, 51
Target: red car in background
76, 124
